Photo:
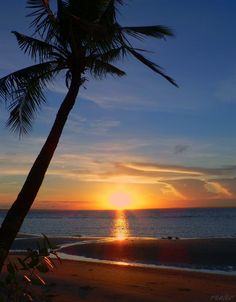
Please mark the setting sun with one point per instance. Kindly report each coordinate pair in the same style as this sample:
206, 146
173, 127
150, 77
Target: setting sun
120, 200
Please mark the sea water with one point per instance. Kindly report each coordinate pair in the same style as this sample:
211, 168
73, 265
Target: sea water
158, 223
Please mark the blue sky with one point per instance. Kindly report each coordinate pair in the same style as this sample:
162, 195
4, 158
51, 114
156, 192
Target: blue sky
135, 133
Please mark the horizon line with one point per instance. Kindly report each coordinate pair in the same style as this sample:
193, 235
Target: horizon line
138, 209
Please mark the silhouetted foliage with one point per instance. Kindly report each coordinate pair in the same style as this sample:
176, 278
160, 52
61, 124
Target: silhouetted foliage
25, 274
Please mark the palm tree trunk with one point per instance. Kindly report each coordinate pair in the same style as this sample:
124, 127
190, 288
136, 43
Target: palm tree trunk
15, 216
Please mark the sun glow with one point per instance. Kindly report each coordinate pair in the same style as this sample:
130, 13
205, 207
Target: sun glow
120, 227
120, 200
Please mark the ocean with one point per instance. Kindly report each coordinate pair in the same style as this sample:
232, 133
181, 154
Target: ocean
158, 223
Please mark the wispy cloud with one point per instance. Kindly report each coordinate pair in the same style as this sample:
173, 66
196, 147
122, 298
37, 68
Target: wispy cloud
218, 188
181, 169
151, 167
179, 149
118, 94
81, 125
111, 163
229, 184
180, 181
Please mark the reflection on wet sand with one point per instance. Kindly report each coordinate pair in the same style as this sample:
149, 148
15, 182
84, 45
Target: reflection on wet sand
120, 226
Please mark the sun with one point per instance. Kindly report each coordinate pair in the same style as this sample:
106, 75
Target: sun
120, 200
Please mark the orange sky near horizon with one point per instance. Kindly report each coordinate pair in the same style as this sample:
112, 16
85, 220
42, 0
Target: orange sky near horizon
139, 187
136, 189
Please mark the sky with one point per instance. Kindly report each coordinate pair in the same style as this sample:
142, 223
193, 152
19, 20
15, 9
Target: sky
137, 138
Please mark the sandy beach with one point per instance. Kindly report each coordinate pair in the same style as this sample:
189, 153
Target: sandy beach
82, 281
86, 281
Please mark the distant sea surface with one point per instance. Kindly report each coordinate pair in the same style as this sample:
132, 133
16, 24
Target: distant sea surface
183, 223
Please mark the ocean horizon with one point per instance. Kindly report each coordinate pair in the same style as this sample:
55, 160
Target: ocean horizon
156, 223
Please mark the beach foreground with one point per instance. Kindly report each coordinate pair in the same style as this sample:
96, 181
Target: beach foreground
96, 282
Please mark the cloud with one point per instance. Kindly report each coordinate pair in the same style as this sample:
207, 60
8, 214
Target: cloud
13, 171
64, 204
179, 149
181, 169
81, 125
122, 161
192, 188
229, 184
180, 181
167, 169
218, 188
119, 94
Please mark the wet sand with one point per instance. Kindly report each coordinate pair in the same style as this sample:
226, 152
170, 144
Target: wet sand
218, 254
25, 241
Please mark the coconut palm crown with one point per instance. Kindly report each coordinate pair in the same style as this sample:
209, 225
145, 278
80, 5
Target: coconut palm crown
82, 39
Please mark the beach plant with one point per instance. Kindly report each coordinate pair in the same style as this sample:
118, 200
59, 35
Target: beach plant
79, 40
23, 280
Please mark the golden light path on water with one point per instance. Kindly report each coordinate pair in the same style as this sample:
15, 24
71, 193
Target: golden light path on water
120, 226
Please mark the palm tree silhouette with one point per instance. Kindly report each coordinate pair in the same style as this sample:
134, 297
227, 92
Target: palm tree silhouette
82, 39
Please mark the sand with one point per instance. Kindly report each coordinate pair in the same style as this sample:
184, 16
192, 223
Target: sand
96, 282
81, 281
32, 241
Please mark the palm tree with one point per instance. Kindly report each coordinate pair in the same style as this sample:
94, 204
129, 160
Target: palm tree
82, 39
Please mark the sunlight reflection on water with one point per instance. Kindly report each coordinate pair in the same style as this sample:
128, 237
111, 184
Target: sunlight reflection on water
120, 226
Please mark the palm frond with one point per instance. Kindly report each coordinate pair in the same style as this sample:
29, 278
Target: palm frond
27, 102
93, 11
109, 11
100, 69
113, 55
44, 21
11, 83
36, 49
105, 41
22, 90
83, 19
156, 68
156, 31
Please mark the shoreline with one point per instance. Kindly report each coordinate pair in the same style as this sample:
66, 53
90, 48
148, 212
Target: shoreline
105, 281
203, 254
215, 255
147, 266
